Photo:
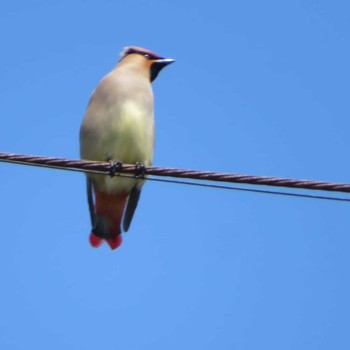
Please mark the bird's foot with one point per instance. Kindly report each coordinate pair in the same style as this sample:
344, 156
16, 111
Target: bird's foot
140, 170
115, 166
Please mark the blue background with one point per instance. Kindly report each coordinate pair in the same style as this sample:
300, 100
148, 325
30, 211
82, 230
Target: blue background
259, 87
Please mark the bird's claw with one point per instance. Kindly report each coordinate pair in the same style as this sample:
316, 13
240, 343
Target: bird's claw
140, 170
115, 165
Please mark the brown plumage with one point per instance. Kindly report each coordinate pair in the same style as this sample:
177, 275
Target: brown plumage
119, 126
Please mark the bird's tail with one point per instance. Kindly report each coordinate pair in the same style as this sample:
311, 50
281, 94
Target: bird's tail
107, 216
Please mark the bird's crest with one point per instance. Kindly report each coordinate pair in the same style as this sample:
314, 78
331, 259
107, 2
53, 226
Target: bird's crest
138, 50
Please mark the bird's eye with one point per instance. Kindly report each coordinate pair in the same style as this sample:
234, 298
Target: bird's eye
147, 55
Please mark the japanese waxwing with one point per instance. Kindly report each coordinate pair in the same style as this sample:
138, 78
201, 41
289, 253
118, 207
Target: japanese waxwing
119, 127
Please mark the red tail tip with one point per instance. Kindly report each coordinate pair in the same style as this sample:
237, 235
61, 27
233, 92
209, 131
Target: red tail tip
94, 240
115, 242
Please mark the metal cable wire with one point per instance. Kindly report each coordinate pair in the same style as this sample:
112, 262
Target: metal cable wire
106, 168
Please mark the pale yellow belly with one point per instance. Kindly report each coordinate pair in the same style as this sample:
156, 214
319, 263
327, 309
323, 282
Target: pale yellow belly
126, 135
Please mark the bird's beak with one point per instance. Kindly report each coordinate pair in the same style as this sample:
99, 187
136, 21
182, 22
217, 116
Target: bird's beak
158, 65
164, 61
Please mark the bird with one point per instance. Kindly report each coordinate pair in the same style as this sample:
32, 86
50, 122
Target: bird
118, 126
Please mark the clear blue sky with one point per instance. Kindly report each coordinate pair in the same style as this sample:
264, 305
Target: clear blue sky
258, 87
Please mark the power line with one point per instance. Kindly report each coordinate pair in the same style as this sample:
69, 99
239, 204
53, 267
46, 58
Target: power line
119, 169
254, 190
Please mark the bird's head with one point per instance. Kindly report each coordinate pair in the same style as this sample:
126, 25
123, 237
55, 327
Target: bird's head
146, 59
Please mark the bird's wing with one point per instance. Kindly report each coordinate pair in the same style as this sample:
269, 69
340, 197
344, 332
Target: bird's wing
90, 201
130, 208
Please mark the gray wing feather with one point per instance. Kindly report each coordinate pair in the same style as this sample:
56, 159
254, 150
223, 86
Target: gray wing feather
90, 201
130, 208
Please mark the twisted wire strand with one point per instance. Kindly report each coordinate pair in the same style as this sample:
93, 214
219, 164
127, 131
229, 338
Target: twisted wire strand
106, 168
